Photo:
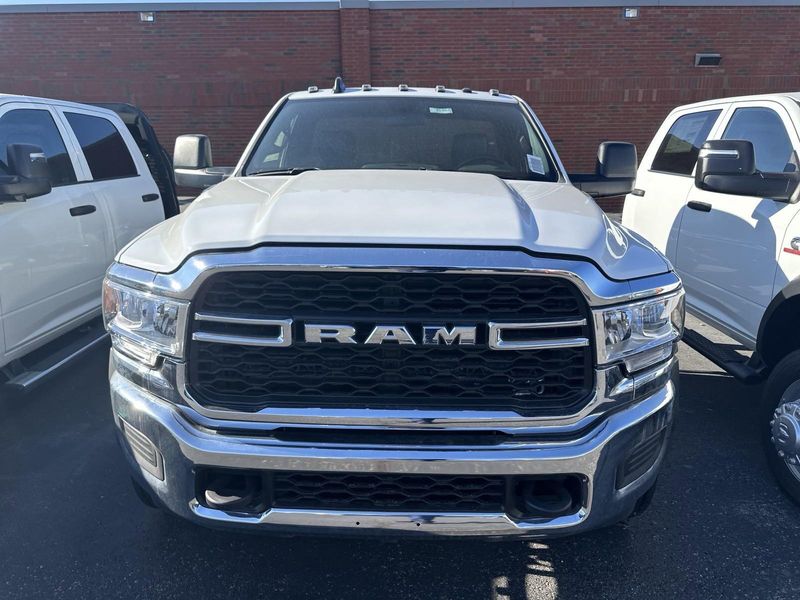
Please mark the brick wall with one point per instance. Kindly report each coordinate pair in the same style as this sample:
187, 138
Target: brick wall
192, 72
589, 74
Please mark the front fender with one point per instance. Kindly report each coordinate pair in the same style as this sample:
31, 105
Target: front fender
779, 331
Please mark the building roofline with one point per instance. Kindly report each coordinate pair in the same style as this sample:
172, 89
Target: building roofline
240, 5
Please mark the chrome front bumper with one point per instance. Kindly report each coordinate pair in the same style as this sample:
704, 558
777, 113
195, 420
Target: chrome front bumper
594, 455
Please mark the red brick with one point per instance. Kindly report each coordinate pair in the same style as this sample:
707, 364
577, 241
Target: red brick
589, 74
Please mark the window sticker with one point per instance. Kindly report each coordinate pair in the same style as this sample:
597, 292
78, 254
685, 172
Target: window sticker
435, 110
535, 164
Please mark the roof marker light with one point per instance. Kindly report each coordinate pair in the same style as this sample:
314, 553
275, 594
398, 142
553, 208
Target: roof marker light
403, 87
441, 89
365, 87
339, 86
494, 92
312, 89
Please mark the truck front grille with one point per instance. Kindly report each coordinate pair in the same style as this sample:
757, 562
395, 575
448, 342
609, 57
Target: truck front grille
456, 377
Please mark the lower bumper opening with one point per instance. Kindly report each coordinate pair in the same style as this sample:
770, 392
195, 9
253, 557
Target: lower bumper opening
522, 498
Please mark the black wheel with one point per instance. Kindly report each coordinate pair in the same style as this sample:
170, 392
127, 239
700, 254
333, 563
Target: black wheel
143, 494
781, 424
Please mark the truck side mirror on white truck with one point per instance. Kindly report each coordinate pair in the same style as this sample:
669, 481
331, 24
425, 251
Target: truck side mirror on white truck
193, 164
615, 171
30, 174
729, 167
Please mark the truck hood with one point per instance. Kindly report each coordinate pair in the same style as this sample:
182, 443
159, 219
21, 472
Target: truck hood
426, 208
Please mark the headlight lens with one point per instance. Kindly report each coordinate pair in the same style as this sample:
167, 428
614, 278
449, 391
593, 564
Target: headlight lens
639, 334
144, 325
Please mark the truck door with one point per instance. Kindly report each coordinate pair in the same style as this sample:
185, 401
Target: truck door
45, 277
120, 179
665, 176
729, 245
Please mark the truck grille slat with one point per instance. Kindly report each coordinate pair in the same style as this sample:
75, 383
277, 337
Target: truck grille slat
456, 377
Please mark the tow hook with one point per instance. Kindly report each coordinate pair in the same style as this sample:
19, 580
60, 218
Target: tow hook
231, 492
786, 431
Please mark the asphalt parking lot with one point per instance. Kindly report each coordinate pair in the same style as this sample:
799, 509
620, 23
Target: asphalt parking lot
71, 526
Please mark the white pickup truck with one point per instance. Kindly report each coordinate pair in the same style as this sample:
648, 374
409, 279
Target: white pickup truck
717, 192
75, 188
397, 314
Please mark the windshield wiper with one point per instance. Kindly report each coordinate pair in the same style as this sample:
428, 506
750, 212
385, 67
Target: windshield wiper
292, 171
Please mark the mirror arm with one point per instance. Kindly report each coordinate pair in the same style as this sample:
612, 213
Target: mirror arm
8, 199
201, 178
780, 187
598, 186
20, 189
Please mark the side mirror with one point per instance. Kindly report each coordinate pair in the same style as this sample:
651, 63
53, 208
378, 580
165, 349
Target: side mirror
192, 152
615, 171
19, 189
729, 167
194, 167
28, 161
718, 160
31, 176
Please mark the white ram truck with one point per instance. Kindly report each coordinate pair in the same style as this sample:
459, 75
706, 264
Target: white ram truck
717, 192
397, 314
75, 188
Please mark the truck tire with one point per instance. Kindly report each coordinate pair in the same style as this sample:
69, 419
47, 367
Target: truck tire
780, 424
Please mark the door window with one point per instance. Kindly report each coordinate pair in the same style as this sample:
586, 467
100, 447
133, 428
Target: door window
36, 127
679, 150
764, 128
103, 147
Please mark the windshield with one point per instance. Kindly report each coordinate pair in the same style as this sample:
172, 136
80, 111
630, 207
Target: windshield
403, 133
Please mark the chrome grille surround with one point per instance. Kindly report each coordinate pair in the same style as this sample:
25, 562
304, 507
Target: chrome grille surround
612, 387
598, 289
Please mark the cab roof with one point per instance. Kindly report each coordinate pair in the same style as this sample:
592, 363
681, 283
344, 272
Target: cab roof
439, 92
778, 97
6, 98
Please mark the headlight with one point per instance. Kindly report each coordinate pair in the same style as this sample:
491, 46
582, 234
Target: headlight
639, 334
143, 325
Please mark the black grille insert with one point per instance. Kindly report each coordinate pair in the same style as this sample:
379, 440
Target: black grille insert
382, 492
518, 496
457, 377
366, 295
